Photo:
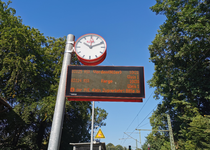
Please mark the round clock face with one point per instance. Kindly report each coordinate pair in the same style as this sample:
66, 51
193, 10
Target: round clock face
90, 48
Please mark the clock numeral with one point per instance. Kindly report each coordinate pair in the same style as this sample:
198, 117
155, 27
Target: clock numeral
79, 52
101, 52
80, 41
97, 38
102, 42
96, 56
83, 56
85, 38
103, 47
89, 57
78, 47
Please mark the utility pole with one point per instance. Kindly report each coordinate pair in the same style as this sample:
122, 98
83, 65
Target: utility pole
170, 133
57, 124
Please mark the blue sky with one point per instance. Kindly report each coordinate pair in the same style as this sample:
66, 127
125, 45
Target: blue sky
128, 27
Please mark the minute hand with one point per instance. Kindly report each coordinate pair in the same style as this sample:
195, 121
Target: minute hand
97, 44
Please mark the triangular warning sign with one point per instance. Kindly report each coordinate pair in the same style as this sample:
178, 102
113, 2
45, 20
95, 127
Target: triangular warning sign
99, 135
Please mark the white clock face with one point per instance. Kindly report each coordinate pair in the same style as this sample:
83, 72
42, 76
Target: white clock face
90, 46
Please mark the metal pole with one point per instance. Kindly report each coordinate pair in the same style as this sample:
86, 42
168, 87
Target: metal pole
140, 137
57, 124
136, 145
91, 140
170, 133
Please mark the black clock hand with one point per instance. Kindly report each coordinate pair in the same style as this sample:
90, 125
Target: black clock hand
87, 45
97, 44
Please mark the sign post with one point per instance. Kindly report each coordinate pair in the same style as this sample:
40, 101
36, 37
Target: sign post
57, 124
91, 139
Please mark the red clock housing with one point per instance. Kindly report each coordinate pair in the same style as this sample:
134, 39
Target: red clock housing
90, 49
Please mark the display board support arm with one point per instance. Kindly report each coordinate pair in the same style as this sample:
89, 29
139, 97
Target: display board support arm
57, 124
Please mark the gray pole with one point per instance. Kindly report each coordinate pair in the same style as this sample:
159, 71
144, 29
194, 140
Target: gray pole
140, 137
170, 133
57, 124
91, 140
136, 145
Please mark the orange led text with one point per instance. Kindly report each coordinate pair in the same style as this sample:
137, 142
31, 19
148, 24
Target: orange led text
106, 81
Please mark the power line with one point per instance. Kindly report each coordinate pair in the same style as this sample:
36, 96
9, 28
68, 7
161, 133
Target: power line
138, 113
142, 121
144, 125
146, 116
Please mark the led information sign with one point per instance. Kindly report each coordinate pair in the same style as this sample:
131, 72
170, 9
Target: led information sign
105, 83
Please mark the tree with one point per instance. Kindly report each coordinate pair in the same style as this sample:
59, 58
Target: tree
22, 69
119, 147
145, 145
125, 148
181, 54
198, 133
30, 66
110, 146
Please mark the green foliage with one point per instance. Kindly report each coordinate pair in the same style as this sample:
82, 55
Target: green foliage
111, 146
181, 54
30, 66
145, 145
156, 143
166, 145
198, 134
119, 147
156, 140
99, 116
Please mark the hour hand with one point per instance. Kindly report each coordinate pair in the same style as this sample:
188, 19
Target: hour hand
86, 44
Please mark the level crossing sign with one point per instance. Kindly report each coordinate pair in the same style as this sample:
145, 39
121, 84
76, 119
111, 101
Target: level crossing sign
99, 135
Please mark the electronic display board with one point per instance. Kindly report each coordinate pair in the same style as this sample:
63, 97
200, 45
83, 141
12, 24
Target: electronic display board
105, 83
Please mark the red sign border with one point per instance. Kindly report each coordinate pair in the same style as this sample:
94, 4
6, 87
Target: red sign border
104, 99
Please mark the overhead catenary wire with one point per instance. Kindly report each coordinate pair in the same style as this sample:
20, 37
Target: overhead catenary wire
146, 116
138, 113
141, 122
144, 125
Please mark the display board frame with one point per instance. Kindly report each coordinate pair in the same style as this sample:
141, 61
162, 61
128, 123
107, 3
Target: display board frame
106, 96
